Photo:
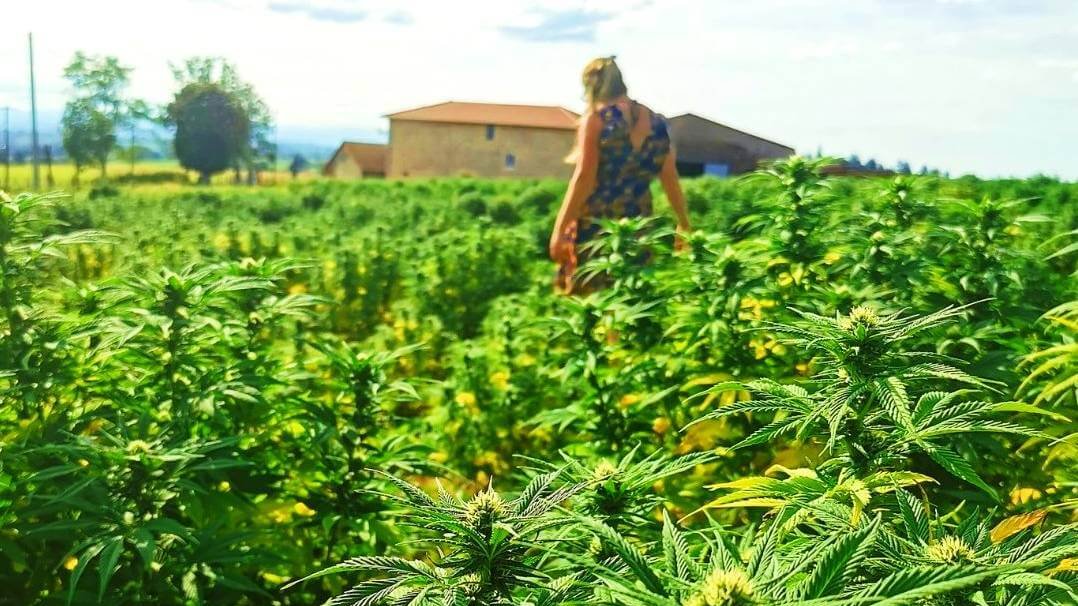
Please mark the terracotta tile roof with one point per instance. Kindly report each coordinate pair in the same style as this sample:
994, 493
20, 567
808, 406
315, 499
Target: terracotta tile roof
371, 157
457, 112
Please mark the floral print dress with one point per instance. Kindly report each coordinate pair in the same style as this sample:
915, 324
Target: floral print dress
623, 184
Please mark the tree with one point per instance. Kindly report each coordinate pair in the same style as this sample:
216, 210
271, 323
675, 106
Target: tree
299, 164
212, 129
88, 135
99, 84
904, 168
49, 180
135, 112
259, 152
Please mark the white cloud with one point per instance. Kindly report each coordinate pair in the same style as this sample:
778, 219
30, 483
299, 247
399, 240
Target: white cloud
893, 79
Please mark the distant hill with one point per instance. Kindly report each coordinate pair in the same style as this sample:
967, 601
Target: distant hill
315, 143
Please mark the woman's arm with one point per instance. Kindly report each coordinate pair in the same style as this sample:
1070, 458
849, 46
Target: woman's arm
672, 186
581, 185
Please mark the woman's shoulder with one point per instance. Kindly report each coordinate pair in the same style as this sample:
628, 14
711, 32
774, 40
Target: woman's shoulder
654, 116
659, 124
591, 120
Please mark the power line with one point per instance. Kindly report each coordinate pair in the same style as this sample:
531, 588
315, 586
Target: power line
33, 115
7, 148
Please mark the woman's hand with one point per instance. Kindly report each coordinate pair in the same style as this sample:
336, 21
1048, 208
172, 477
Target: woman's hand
683, 230
581, 185
561, 248
672, 186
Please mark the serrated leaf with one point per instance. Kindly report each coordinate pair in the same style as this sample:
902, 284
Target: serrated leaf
957, 466
106, 564
1015, 524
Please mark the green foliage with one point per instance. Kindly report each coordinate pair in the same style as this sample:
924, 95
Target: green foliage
101, 80
97, 109
806, 405
211, 129
873, 398
258, 151
88, 134
485, 548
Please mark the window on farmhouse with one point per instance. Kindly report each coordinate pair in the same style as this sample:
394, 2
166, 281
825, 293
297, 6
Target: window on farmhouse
490, 132
510, 162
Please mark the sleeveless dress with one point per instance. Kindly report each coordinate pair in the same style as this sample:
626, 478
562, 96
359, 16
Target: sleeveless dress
623, 185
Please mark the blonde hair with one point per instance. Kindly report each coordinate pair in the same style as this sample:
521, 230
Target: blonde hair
603, 81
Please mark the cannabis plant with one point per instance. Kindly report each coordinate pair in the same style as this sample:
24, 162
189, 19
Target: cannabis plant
486, 551
1052, 381
625, 493
172, 346
887, 253
796, 218
37, 350
718, 298
980, 257
603, 384
1053, 371
772, 567
135, 512
905, 200
621, 256
1038, 563
874, 402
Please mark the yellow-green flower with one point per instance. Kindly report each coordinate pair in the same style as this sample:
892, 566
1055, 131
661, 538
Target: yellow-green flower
660, 425
723, 588
500, 380
950, 550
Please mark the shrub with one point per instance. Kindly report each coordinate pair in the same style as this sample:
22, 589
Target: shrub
505, 212
473, 203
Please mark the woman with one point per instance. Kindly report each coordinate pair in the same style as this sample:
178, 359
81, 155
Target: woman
621, 147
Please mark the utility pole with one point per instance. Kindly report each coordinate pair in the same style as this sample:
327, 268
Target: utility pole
33, 116
7, 148
131, 148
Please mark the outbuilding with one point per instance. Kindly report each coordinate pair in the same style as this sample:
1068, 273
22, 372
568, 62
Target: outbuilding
354, 160
706, 147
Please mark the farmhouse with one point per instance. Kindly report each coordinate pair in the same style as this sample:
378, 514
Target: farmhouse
498, 140
356, 160
481, 140
705, 147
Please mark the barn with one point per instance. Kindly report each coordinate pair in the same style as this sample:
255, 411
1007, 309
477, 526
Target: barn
706, 147
481, 140
354, 160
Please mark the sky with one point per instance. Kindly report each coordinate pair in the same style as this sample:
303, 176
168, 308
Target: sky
969, 86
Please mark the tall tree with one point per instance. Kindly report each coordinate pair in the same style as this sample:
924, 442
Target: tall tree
260, 151
211, 129
135, 112
99, 84
88, 135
